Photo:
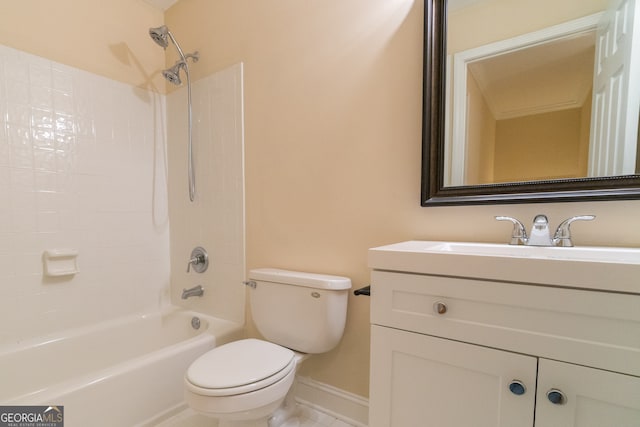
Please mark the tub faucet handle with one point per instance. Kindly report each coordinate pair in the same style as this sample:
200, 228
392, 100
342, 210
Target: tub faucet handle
194, 261
199, 260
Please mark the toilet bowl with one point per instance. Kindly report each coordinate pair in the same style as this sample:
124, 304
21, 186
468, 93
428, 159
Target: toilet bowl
246, 379
249, 382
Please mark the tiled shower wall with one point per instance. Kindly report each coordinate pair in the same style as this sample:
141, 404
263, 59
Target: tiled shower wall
82, 166
215, 219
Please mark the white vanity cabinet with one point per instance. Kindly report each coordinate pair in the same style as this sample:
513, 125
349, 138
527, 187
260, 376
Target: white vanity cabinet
593, 397
457, 352
419, 380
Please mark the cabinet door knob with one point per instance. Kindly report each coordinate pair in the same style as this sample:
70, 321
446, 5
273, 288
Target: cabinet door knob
440, 307
517, 387
556, 397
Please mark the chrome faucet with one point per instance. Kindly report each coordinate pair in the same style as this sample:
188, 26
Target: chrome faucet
196, 291
540, 234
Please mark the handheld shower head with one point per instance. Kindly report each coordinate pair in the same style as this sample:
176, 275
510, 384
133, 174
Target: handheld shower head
173, 74
160, 35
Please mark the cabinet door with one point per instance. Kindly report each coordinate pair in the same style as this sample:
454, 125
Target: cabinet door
423, 381
592, 397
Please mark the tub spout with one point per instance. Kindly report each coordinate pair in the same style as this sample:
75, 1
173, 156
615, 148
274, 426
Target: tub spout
196, 291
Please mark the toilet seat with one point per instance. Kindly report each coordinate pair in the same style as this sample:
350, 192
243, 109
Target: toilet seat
239, 367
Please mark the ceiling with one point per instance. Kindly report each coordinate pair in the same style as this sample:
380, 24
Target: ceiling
541, 78
162, 4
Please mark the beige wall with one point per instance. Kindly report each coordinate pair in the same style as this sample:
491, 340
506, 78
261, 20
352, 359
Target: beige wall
481, 136
539, 146
108, 38
332, 119
333, 134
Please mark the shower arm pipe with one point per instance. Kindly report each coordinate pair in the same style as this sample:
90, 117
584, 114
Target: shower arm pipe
177, 45
190, 167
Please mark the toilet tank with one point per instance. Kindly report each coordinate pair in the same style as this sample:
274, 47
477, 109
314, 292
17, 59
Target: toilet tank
305, 312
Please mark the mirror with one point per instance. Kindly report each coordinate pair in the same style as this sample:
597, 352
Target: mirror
524, 103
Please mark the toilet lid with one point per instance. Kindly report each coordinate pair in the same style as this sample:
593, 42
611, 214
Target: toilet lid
238, 363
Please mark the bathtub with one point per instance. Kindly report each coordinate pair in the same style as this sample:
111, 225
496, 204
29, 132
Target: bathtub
117, 373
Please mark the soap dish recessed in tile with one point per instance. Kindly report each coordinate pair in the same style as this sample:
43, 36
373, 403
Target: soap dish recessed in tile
60, 262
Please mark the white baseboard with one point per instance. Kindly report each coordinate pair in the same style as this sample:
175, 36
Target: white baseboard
345, 406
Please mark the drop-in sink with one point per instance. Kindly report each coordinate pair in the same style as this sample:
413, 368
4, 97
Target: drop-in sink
589, 267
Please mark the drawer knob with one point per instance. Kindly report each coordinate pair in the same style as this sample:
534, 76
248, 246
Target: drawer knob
440, 307
556, 397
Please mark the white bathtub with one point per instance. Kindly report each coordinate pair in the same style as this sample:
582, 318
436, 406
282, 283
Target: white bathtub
117, 373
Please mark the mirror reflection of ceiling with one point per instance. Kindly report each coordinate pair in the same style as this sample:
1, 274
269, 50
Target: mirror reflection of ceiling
473, 23
548, 77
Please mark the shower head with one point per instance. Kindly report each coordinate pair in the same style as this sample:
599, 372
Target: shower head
173, 74
160, 35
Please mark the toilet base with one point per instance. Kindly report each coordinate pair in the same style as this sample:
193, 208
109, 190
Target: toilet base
285, 416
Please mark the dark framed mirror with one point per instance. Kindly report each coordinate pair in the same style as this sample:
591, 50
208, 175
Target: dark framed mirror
449, 178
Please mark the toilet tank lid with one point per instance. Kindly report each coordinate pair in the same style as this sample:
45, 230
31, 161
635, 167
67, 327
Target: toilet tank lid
298, 278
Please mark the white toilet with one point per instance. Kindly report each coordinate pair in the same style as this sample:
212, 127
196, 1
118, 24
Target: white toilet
244, 383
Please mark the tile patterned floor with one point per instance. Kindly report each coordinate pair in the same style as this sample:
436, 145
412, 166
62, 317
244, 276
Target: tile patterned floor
312, 418
308, 417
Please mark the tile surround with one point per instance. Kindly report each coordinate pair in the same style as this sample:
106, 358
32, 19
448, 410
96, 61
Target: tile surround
215, 219
83, 166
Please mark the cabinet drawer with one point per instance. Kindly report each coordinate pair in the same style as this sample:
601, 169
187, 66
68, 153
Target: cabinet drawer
589, 328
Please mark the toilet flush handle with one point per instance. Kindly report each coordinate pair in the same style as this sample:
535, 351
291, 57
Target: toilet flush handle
250, 283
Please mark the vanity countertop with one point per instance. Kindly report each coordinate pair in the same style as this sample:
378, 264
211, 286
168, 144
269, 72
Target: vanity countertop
611, 269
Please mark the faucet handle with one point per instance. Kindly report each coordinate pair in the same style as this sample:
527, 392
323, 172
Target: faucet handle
562, 236
194, 261
199, 260
519, 233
